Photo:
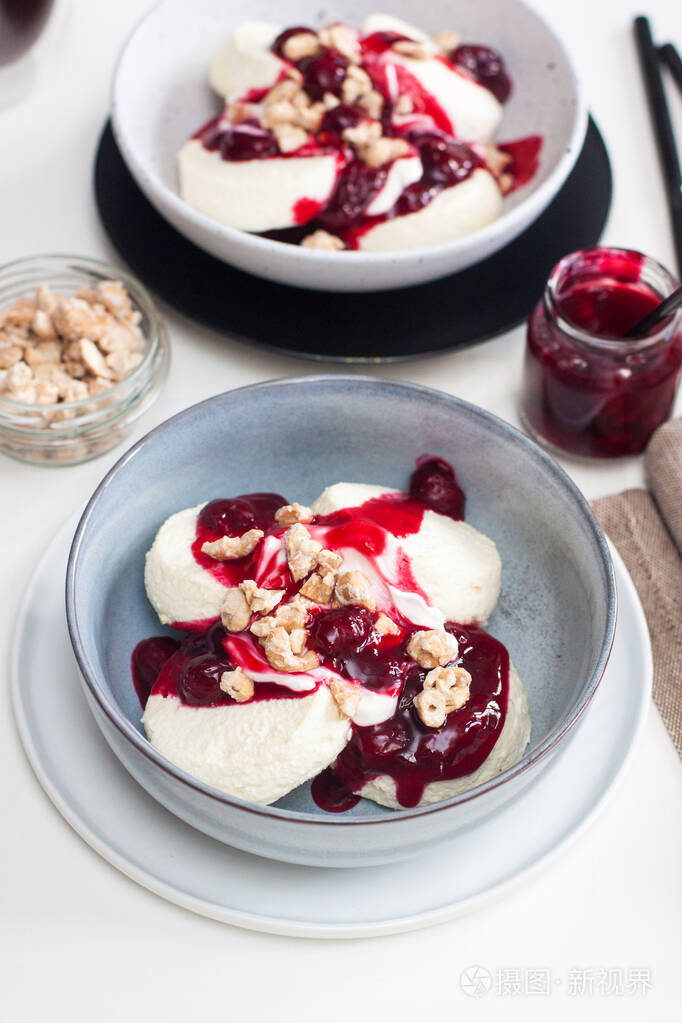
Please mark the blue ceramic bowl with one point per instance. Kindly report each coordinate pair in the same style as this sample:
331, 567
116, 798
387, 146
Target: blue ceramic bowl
556, 613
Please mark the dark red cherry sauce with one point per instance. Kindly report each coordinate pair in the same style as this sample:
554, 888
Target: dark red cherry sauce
347, 641
412, 754
587, 389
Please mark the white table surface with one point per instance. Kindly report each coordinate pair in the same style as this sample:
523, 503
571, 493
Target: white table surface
78, 940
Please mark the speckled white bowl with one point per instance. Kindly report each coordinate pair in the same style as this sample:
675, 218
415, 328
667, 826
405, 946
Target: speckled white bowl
161, 95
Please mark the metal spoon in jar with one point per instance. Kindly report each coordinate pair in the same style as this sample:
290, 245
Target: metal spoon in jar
652, 319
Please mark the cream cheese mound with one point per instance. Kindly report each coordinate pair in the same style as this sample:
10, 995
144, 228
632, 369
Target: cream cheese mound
506, 752
457, 567
455, 211
474, 112
253, 195
246, 61
178, 588
256, 751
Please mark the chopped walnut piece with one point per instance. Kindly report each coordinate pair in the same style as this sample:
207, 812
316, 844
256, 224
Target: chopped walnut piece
47, 392
506, 183
75, 390
289, 137
384, 150
277, 648
308, 115
75, 319
122, 363
362, 134
346, 695
262, 627
329, 561
237, 684
319, 588
356, 84
301, 551
323, 241
495, 159
447, 41
19, 377
288, 514
404, 104
372, 104
292, 615
282, 111
41, 325
297, 640
330, 101
239, 111
228, 548
413, 49
385, 626
9, 355
432, 647
45, 300
453, 683
285, 89
93, 360
115, 298
235, 612
44, 351
430, 705
342, 38
354, 588
303, 44
261, 601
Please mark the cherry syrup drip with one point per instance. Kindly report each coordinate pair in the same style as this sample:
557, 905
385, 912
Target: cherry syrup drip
412, 754
190, 670
486, 66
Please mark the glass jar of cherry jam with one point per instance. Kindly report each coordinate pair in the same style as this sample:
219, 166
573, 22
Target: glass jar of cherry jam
587, 389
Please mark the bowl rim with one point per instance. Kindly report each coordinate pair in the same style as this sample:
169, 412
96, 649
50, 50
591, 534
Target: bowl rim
537, 200
499, 427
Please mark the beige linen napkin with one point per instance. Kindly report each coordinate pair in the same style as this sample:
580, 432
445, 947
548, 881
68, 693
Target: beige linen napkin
647, 530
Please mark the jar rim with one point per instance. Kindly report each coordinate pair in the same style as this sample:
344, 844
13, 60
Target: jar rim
141, 299
665, 283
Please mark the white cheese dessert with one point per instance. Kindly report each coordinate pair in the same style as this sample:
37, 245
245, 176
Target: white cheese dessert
378, 138
345, 636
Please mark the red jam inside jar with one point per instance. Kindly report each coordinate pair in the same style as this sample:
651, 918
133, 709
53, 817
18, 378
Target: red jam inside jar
587, 389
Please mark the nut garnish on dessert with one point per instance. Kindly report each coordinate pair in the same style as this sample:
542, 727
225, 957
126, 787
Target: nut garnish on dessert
432, 647
301, 551
228, 548
237, 684
289, 514
354, 588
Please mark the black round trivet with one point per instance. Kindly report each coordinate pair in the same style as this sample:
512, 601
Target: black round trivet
464, 309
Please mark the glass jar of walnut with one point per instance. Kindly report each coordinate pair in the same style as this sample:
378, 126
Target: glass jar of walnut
83, 353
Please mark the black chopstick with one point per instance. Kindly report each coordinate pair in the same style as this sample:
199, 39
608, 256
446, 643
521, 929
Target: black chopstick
663, 130
671, 57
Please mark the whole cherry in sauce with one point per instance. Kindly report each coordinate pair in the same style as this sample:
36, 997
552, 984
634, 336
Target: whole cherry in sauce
149, 657
297, 30
234, 516
486, 66
323, 73
341, 633
357, 185
434, 482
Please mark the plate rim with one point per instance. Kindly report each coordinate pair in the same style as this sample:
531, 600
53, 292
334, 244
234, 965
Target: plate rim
295, 927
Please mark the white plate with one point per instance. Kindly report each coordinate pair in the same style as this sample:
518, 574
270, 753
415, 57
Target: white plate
132, 831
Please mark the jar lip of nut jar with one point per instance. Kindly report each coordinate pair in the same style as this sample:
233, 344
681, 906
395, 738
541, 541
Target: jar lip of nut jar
609, 266
65, 431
